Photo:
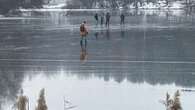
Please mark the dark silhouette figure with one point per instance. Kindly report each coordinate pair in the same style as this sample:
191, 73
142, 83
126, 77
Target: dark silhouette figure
96, 35
122, 33
102, 19
108, 34
122, 16
107, 19
96, 18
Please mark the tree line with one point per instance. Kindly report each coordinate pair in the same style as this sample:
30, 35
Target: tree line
118, 3
6, 5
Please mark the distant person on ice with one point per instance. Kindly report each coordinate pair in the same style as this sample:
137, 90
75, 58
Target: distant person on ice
83, 33
107, 19
102, 19
122, 16
96, 18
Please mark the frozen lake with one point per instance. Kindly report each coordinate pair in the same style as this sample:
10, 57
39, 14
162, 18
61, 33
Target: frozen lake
127, 67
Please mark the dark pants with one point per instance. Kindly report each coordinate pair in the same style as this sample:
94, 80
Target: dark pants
97, 21
122, 21
83, 41
102, 20
107, 22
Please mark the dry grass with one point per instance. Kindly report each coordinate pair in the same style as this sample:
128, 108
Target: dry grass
41, 101
22, 101
176, 102
173, 103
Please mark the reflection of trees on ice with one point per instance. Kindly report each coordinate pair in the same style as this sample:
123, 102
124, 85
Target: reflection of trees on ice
58, 18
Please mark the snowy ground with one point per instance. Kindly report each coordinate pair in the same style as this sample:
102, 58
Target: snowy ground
160, 5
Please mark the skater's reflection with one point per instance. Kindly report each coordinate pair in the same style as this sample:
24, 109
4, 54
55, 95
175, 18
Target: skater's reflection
108, 34
122, 33
96, 35
83, 55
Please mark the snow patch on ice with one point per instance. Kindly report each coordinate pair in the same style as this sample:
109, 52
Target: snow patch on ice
21, 48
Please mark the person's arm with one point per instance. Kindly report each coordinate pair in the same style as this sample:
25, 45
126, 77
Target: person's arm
86, 29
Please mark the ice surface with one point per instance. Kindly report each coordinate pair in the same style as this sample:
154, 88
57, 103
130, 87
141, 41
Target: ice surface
153, 53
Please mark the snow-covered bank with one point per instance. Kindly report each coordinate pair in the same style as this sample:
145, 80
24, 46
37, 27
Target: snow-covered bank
128, 12
93, 10
16, 18
57, 10
160, 5
142, 4
57, 6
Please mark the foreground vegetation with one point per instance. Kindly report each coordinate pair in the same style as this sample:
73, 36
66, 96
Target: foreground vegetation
172, 103
6, 5
23, 102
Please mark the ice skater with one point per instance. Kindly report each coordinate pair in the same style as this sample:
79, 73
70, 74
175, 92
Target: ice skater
96, 18
102, 19
122, 16
107, 19
83, 33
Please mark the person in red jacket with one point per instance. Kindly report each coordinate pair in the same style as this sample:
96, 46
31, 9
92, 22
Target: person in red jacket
83, 33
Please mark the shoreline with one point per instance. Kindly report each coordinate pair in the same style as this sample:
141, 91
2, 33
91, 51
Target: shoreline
94, 9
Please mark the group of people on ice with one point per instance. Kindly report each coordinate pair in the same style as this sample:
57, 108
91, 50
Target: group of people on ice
107, 17
99, 18
84, 30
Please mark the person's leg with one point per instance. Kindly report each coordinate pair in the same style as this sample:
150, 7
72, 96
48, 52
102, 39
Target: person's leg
96, 22
81, 41
85, 42
102, 22
108, 23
